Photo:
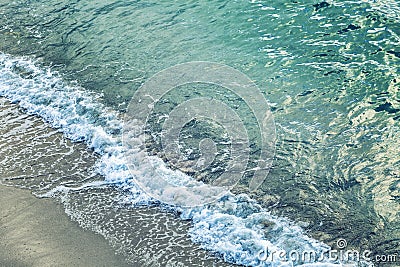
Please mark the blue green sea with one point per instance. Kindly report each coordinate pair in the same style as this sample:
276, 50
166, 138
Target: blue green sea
327, 79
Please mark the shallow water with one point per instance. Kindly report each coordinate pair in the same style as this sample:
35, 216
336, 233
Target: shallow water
37, 157
330, 72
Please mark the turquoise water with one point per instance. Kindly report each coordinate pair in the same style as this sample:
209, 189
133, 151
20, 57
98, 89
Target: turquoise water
329, 71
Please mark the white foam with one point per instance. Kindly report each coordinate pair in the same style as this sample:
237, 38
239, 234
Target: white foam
236, 226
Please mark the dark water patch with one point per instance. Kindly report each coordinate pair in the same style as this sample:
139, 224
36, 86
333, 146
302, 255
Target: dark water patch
395, 53
350, 27
388, 107
321, 5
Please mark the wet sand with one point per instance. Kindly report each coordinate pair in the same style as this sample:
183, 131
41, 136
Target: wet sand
37, 232
36, 159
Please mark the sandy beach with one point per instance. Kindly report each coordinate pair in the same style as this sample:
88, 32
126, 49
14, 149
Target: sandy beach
36, 159
37, 232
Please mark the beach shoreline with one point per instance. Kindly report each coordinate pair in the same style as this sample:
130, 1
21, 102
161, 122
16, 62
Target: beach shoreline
37, 232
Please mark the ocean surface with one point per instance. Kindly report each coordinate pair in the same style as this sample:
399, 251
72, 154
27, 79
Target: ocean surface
328, 73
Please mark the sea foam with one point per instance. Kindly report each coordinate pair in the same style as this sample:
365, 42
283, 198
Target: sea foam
235, 227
